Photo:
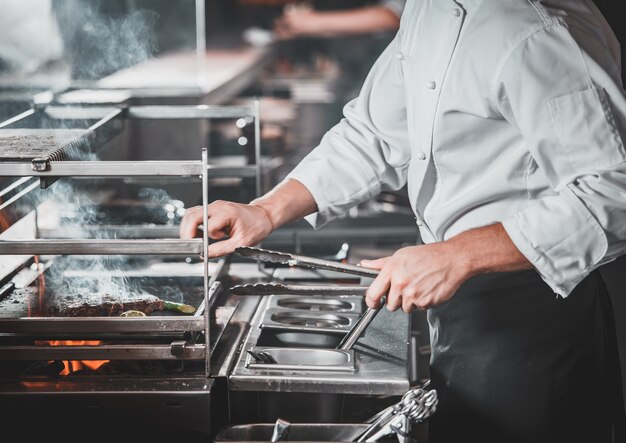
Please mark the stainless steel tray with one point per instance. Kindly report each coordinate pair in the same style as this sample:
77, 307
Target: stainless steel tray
304, 359
319, 304
299, 320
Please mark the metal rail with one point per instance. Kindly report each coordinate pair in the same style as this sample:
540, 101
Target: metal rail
101, 247
87, 325
105, 352
151, 112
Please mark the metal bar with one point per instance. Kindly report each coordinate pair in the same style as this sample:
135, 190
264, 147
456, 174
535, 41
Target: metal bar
205, 255
18, 117
188, 112
82, 112
88, 325
358, 329
106, 119
287, 258
15, 184
257, 289
114, 231
201, 72
19, 195
102, 352
257, 146
101, 247
167, 168
104, 169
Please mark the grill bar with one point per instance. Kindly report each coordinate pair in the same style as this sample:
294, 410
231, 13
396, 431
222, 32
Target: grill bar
103, 352
101, 247
83, 325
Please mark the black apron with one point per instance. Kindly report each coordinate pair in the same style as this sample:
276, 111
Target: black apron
513, 362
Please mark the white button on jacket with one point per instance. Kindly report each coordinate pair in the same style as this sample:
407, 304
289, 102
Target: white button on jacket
525, 127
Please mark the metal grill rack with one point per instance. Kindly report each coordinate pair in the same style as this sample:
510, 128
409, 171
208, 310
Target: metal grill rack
38, 168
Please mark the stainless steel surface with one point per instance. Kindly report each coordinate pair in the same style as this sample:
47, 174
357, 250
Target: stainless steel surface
257, 148
341, 304
299, 260
311, 320
82, 325
359, 328
102, 352
298, 432
205, 259
189, 112
309, 339
381, 357
277, 288
281, 430
302, 359
104, 247
174, 168
280, 318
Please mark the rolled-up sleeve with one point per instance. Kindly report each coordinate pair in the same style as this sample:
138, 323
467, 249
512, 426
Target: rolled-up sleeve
367, 151
562, 91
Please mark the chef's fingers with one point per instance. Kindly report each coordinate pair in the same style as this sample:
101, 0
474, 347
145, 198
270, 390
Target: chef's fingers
374, 264
377, 290
191, 220
218, 227
221, 248
394, 299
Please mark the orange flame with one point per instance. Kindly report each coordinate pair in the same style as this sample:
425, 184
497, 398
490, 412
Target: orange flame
71, 366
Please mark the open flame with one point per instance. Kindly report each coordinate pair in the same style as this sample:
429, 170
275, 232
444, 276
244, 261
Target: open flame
71, 366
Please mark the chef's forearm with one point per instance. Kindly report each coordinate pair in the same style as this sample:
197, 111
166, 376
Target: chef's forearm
487, 249
368, 19
287, 202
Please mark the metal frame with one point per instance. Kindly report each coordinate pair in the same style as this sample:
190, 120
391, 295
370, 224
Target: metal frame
28, 327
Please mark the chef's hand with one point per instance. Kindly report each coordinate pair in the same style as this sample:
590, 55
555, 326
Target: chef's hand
416, 277
425, 276
296, 22
238, 224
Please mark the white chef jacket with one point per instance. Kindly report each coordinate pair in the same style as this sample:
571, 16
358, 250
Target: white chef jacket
506, 111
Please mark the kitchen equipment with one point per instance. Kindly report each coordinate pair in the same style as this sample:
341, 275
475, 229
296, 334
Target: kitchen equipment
286, 258
277, 288
357, 328
302, 359
281, 430
416, 406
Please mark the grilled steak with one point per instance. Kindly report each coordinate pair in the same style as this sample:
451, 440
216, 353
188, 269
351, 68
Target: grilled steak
102, 305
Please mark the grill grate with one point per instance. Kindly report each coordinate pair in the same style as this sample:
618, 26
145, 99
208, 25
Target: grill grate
44, 144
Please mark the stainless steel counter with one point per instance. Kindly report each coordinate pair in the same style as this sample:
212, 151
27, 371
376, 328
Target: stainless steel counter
381, 363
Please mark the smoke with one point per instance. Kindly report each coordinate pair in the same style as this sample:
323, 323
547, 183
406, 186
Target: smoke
104, 36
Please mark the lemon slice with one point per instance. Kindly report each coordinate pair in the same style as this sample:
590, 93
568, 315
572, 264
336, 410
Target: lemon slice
132, 314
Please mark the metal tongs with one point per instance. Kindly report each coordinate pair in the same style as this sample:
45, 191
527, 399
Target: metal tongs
286, 258
309, 262
416, 406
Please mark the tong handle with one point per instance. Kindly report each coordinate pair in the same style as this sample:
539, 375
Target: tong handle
359, 327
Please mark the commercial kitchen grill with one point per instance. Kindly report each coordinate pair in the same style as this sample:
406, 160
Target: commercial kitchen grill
164, 355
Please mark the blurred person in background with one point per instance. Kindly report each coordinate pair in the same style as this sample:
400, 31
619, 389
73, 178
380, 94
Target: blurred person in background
303, 20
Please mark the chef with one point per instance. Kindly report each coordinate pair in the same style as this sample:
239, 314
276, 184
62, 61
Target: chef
506, 119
